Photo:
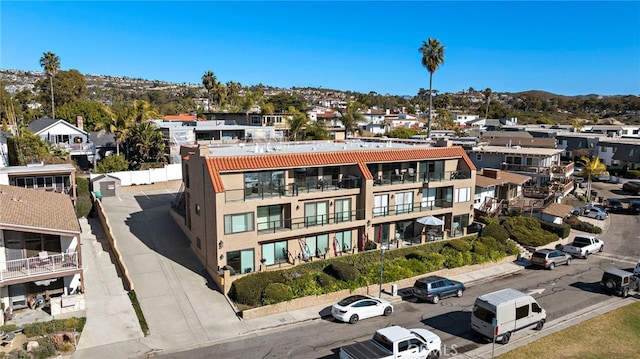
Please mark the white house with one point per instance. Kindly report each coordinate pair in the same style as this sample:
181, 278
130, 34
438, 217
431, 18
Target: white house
462, 119
62, 134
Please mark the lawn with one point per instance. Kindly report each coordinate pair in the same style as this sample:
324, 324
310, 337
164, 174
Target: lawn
611, 335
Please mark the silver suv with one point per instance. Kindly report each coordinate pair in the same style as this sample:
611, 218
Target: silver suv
550, 258
433, 288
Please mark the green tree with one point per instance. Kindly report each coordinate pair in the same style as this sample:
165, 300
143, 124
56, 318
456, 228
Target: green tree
317, 130
92, 113
27, 148
68, 86
209, 81
351, 116
591, 168
432, 57
297, 123
283, 101
444, 120
145, 144
50, 62
113, 163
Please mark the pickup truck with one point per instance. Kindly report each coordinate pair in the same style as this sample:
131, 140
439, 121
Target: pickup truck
395, 342
582, 246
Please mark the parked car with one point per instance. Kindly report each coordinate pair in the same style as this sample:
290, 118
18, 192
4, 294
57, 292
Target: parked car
590, 211
579, 181
582, 246
434, 288
632, 187
619, 281
550, 258
356, 307
474, 227
634, 206
613, 205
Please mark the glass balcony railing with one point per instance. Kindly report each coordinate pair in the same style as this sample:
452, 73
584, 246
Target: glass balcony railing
425, 206
290, 224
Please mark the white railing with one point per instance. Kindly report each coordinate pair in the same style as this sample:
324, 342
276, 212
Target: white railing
21, 268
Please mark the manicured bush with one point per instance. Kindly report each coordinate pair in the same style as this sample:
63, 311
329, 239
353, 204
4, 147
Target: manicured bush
453, 258
496, 231
416, 266
342, 271
579, 225
459, 244
435, 261
527, 231
561, 230
248, 290
276, 293
632, 174
480, 248
324, 280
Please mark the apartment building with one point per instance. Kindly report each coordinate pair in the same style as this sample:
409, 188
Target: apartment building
261, 207
40, 256
59, 178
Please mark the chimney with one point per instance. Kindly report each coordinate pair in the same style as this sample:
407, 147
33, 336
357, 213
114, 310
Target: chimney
79, 122
491, 173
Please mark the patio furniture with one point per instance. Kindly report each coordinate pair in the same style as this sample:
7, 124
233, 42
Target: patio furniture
411, 173
43, 258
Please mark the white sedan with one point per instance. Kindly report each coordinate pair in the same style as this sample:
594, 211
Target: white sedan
356, 307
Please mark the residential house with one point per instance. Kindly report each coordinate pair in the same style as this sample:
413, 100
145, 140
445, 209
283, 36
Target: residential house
556, 213
252, 208
4, 148
578, 144
373, 121
40, 257
67, 137
59, 178
495, 190
104, 142
462, 119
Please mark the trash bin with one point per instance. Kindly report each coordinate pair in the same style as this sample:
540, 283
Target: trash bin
98, 195
394, 290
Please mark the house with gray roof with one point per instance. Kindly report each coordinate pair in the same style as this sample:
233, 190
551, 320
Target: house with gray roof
67, 137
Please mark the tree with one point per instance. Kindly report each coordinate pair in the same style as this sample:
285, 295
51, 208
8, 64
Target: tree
432, 57
145, 144
317, 130
591, 168
209, 81
93, 113
69, 86
577, 125
351, 117
50, 62
297, 122
487, 94
283, 101
113, 163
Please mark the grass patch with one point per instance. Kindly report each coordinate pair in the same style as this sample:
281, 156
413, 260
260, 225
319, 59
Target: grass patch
611, 335
136, 306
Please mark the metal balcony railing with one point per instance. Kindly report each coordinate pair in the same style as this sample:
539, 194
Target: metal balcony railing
27, 267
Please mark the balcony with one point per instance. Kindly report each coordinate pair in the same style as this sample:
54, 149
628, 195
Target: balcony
76, 148
268, 189
28, 267
291, 224
400, 177
524, 168
564, 169
425, 206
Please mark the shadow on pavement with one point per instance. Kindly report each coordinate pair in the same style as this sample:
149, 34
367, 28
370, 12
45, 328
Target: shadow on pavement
593, 287
455, 323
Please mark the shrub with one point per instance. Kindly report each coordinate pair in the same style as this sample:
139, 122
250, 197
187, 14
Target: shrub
632, 174
113, 163
83, 206
248, 290
480, 248
459, 244
370, 245
342, 271
419, 255
276, 293
435, 261
46, 348
561, 230
527, 231
417, 266
453, 258
324, 280
579, 225
496, 231
82, 186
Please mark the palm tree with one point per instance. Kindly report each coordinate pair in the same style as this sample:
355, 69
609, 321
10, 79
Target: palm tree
592, 167
209, 81
432, 57
297, 122
147, 140
117, 124
50, 62
487, 94
350, 118
577, 125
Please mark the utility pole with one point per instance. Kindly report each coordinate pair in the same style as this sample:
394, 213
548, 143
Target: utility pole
381, 269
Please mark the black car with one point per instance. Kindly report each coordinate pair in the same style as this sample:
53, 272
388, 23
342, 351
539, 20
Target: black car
614, 205
474, 227
634, 206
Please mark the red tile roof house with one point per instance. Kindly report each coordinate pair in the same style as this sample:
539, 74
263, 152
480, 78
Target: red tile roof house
41, 258
262, 207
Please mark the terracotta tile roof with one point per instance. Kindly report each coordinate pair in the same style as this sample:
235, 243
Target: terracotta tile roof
505, 177
34, 210
558, 209
216, 165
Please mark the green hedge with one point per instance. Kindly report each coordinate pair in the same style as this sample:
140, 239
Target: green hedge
362, 269
528, 232
561, 230
579, 225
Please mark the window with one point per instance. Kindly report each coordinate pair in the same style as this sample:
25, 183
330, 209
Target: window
236, 223
255, 120
316, 214
318, 244
344, 240
198, 242
478, 156
342, 208
381, 205
404, 202
532, 161
462, 195
197, 209
522, 312
240, 261
274, 253
269, 217
603, 149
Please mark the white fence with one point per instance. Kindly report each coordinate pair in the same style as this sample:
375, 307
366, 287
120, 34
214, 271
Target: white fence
154, 175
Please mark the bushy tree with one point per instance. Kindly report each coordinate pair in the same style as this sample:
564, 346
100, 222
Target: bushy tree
113, 163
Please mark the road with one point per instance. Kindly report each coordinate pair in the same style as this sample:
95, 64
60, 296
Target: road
563, 291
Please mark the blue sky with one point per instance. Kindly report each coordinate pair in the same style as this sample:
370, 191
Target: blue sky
568, 48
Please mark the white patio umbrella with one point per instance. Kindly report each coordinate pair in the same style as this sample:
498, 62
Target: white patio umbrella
430, 221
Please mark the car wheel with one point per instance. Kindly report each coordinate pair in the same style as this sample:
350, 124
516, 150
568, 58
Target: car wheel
625, 292
388, 311
586, 255
434, 355
460, 292
354, 319
610, 284
540, 325
505, 338
552, 266
568, 261
435, 299
601, 249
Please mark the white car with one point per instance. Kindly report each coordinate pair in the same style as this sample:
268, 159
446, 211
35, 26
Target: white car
591, 212
356, 307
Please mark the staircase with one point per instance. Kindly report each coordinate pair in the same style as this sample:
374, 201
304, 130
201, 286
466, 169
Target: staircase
525, 253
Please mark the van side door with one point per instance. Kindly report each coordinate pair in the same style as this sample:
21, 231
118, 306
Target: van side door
523, 315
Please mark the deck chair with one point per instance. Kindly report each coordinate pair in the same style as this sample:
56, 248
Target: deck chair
43, 257
411, 172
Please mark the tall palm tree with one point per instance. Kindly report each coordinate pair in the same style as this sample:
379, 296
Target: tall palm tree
350, 118
487, 94
592, 167
209, 81
50, 62
432, 57
117, 124
297, 122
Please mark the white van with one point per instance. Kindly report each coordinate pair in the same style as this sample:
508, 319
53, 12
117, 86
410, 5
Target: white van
503, 312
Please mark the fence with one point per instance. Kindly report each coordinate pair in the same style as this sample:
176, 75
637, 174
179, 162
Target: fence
153, 175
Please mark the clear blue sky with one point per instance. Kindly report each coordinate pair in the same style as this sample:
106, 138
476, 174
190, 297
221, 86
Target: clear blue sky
569, 48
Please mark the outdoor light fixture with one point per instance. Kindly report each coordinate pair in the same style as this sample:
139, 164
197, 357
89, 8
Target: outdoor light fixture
297, 207
220, 244
221, 256
368, 223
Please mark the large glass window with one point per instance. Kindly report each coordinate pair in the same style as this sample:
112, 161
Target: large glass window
316, 213
269, 217
404, 202
241, 261
381, 205
342, 208
276, 252
318, 245
459, 223
236, 223
343, 240
462, 195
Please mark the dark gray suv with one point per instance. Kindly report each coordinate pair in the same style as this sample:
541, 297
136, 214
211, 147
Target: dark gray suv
619, 281
434, 288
